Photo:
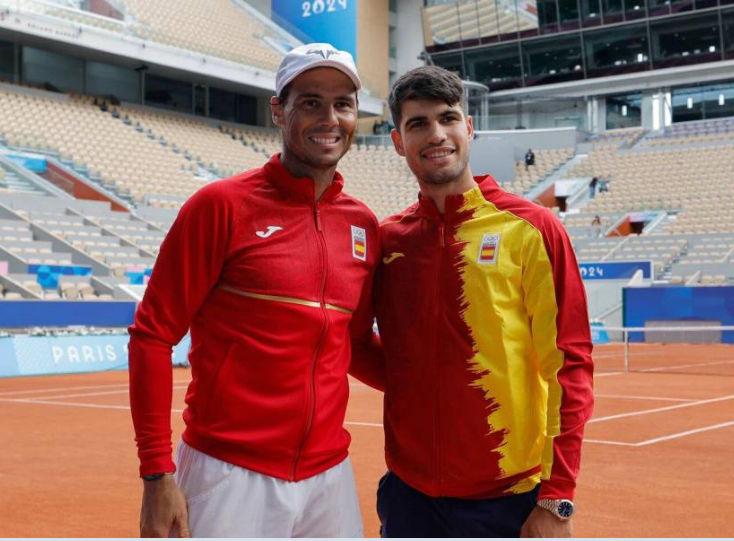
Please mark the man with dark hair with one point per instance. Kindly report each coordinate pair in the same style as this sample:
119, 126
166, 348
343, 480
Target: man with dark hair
267, 270
529, 158
487, 351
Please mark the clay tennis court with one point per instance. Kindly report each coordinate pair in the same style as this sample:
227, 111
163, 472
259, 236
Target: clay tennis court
657, 458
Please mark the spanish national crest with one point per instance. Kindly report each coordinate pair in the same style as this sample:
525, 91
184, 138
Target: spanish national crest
359, 243
489, 249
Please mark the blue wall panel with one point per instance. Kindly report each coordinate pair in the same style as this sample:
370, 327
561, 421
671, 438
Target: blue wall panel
715, 304
20, 314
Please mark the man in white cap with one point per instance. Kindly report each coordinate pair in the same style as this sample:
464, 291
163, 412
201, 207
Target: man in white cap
271, 271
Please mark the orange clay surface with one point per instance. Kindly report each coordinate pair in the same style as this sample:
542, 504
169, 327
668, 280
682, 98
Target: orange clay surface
658, 459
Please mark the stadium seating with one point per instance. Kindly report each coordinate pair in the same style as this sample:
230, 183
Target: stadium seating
695, 183
215, 28
118, 154
546, 162
619, 137
721, 130
203, 143
380, 177
453, 22
159, 159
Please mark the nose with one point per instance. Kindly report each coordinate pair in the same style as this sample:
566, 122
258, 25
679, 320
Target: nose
329, 117
437, 134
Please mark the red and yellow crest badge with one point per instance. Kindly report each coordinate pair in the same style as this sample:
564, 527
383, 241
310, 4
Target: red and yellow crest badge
489, 249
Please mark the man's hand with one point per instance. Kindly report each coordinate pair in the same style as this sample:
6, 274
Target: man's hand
164, 509
543, 523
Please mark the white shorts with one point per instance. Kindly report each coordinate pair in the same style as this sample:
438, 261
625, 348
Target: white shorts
228, 501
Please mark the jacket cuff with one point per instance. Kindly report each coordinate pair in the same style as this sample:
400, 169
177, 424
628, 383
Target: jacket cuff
163, 464
557, 490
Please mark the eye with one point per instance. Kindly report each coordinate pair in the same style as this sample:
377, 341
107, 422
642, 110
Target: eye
311, 103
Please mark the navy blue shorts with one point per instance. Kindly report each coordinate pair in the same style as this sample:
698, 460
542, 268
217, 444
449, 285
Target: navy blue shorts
406, 512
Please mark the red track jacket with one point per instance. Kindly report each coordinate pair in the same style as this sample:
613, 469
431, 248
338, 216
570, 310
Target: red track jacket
488, 372
268, 282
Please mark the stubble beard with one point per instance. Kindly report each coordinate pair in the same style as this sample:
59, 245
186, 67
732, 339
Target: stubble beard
445, 176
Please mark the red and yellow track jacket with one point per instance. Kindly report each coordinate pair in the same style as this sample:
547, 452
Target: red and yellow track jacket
483, 320
268, 281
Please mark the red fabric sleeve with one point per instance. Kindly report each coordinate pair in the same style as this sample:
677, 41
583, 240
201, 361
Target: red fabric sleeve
576, 376
368, 362
188, 266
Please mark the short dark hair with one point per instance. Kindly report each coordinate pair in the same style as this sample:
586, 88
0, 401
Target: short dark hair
283, 97
425, 83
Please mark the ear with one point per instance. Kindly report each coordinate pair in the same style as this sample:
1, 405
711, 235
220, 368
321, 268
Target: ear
470, 127
276, 110
397, 141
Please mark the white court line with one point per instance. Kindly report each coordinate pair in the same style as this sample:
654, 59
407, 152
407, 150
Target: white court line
55, 403
692, 365
686, 433
602, 442
108, 386
120, 391
602, 374
656, 410
639, 397
79, 388
379, 425
605, 442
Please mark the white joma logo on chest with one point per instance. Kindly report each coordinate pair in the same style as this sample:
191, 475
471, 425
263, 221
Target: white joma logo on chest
270, 230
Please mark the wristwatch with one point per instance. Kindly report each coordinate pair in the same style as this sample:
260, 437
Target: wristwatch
563, 509
153, 476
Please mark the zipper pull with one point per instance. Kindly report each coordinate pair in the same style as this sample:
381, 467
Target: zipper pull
317, 217
442, 240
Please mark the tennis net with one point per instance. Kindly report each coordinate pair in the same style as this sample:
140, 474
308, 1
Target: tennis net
667, 348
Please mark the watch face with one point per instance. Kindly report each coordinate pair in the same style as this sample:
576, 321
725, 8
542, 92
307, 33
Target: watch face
565, 509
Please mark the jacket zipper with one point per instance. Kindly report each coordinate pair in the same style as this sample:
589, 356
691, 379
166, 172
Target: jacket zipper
436, 353
311, 402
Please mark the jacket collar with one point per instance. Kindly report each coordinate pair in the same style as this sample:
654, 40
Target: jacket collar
300, 188
486, 187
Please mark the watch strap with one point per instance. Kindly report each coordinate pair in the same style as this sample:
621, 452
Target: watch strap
563, 509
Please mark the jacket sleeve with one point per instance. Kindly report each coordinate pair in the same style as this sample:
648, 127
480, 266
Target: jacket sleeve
188, 266
368, 362
555, 300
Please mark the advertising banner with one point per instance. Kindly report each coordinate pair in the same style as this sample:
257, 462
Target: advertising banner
615, 270
42, 355
320, 21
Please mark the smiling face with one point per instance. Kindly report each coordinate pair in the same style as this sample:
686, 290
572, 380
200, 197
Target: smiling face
318, 119
434, 138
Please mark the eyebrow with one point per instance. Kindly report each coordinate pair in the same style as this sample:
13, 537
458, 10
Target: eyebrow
415, 119
444, 113
347, 97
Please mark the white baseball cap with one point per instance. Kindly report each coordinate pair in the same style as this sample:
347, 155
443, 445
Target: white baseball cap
314, 55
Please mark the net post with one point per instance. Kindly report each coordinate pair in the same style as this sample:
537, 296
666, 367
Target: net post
626, 338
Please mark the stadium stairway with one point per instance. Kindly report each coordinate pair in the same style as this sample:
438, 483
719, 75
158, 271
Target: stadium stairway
10, 181
558, 174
